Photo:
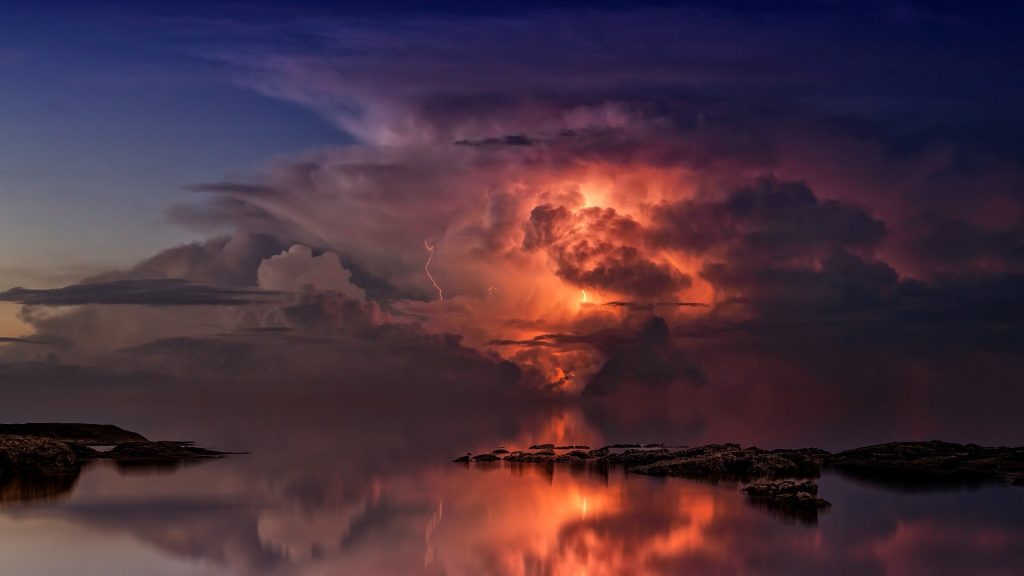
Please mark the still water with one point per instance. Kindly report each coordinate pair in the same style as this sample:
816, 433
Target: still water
373, 493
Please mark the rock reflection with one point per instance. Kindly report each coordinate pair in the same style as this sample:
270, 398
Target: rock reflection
319, 495
525, 520
36, 489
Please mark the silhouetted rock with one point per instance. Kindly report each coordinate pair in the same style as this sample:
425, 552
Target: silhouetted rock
932, 461
162, 451
531, 457
777, 492
782, 489
56, 449
731, 461
33, 455
789, 498
88, 434
43, 461
632, 457
500, 451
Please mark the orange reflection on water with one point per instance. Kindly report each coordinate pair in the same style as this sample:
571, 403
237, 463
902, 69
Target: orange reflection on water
562, 427
558, 521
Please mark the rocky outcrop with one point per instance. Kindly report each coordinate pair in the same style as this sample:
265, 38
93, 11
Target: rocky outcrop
796, 499
43, 461
730, 461
792, 499
634, 457
36, 456
160, 451
715, 461
933, 461
88, 434
778, 477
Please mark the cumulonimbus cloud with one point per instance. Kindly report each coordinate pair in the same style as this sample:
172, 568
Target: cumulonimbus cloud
575, 210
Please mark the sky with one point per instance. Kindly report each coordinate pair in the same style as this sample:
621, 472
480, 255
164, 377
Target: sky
807, 213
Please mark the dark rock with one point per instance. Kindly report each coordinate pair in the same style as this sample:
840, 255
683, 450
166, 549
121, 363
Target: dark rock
789, 498
544, 456
893, 464
486, 458
463, 458
780, 488
730, 461
632, 457
500, 451
44, 463
87, 434
932, 461
158, 451
34, 455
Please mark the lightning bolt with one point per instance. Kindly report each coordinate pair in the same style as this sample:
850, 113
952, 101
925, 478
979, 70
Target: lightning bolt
584, 300
430, 555
426, 268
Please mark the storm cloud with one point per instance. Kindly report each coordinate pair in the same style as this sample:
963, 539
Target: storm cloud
652, 206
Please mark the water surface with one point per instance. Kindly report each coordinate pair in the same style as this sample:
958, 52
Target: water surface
378, 495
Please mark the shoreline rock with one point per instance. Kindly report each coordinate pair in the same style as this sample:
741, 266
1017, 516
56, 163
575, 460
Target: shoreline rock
887, 462
934, 461
87, 434
788, 497
730, 461
778, 479
44, 460
36, 456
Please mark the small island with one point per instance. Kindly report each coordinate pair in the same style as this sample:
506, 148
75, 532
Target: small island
44, 460
782, 480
